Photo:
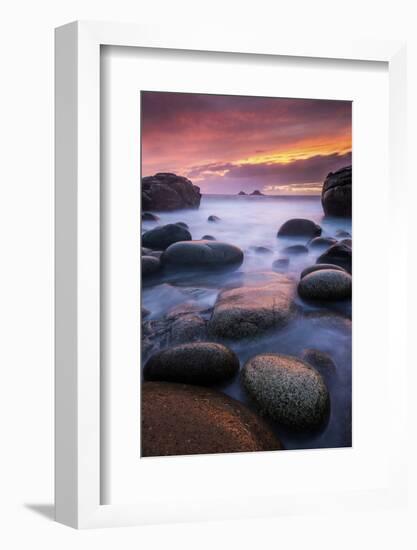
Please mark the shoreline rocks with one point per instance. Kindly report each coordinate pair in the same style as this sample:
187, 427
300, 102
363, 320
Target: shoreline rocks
150, 265
167, 191
295, 249
338, 254
252, 309
288, 390
299, 227
318, 267
201, 363
326, 285
162, 237
336, 195
202, 255
319, 243
180, 419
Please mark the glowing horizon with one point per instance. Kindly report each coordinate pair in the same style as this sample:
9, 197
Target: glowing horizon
226, 144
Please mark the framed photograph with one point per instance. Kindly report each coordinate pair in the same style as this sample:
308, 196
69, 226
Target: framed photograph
227, 319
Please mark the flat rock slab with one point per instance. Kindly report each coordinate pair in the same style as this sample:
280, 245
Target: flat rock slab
288, 390
180, 419
250, 310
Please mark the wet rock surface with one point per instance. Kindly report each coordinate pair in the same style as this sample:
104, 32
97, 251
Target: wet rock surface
326, 285
338, 254
203, 254
180, 419
250, 310
202, 363
287, 389
299, 227
161, 237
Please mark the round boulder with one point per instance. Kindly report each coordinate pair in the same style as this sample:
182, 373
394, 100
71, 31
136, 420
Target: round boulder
160, 238
326, 284
182, 224
150, 265
203, 255
338, 254
288, 390
347, 242
201, 363
213, 218
341, 234
180, 419
208, 238
299, 227
336, 195
318, 267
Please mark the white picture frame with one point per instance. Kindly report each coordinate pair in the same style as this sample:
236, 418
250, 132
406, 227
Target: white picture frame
78, 320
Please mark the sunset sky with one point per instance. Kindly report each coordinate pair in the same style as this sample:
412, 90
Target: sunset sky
225, 144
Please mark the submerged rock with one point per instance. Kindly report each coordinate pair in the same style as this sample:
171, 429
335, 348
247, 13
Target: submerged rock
347, 242
203, 255
261, 249
299, 227
338, 254
201, 363
326, 284
182, 224
321, 242
341, 233
213, 218
149, 217
318, 267
180, 419
166, 191
336, 195
161, 237
296, 249
208, 238
281, 264
288, 390
252, 309
320, 360
150, 265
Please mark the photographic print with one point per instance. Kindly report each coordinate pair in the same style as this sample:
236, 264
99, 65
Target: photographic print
246, 262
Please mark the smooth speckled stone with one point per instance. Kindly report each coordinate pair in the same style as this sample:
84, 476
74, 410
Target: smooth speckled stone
180, 419
288, 390
326, 284
201, 363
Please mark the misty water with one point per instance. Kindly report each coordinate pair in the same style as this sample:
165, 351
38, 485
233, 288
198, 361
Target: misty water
251, 221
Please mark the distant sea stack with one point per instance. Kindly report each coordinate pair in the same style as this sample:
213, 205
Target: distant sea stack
336, 195
166, 191
257, 193
242, 193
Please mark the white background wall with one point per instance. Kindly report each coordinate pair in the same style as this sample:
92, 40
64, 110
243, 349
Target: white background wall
26, 272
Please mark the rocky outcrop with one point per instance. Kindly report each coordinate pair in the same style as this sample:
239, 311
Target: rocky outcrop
299, 227
288, 390
336, 195
202, 363
202, 255
180, 419
166, 191
253, 308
